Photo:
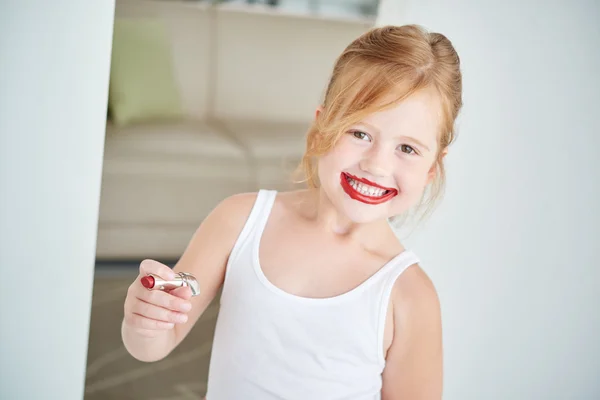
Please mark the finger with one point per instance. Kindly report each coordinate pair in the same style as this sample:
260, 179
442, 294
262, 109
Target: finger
141, 322
164, 299
158, 313
182, 292
156, 268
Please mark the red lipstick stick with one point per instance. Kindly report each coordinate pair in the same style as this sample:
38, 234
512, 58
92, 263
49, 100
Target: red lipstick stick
155, 282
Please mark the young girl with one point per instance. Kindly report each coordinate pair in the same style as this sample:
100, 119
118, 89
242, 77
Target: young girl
319, 299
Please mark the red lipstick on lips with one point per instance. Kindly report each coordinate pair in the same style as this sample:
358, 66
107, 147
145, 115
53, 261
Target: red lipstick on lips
364, 198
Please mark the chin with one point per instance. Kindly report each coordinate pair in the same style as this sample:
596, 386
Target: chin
360, 216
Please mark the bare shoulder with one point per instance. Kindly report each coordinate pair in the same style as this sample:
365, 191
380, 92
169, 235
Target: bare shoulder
414, 363
222, 225
233, 212
235, 209
416, 303
415, 292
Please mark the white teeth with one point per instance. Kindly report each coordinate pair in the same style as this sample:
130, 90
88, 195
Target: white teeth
366, 189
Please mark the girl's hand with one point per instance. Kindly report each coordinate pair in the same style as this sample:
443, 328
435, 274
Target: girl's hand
152, 312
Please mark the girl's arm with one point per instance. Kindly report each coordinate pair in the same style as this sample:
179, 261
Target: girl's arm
206, 258
414, 366
207, 254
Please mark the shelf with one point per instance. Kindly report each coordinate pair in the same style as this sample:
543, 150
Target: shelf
238, 6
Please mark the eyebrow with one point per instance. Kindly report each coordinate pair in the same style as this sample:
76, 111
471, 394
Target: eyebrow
373, 127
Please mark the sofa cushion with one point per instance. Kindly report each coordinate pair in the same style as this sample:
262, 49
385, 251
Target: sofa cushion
189, 33
167, 140
275, 148
169, 173
269, 139
142, 82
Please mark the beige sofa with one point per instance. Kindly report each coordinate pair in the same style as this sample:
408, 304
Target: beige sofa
249, 83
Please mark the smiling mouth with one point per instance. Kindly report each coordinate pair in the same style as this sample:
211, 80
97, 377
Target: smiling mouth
366, 191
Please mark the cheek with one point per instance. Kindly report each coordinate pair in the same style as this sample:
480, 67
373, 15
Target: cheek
411, 176
327, 166
343, 148
340, 157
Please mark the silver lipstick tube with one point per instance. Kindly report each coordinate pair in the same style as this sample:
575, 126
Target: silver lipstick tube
182, 279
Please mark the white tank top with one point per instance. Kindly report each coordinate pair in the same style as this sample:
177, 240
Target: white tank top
270, 344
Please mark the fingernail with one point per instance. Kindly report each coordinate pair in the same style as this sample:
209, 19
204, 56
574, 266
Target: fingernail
182, 318
185, 307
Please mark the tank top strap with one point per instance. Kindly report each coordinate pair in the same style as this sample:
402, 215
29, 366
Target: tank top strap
263, 207
398, 265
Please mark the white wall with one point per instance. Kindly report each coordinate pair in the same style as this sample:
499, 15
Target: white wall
54, 68
512, 248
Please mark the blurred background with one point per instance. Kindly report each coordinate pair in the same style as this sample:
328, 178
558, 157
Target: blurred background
206, 99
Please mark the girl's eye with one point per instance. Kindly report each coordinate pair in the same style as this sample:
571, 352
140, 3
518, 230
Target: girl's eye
407, 149
360, 135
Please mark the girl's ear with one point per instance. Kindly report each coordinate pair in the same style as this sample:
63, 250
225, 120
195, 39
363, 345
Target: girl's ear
318, 111
434, 167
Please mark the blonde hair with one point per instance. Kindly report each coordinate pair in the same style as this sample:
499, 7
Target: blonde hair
384, 62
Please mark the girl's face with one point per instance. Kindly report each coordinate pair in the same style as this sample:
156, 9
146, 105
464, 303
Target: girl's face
380, 166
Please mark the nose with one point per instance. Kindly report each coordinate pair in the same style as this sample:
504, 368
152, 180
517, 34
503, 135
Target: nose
376, 163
